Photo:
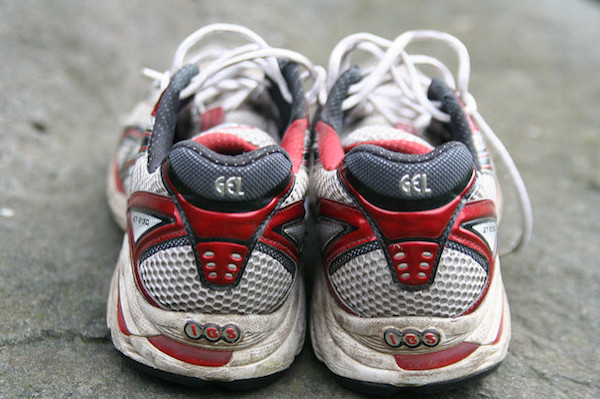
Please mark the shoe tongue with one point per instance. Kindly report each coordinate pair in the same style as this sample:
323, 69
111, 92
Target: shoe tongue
234, 139
390, 138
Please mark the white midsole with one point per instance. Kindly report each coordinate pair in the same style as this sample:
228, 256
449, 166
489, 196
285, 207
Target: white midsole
353, 347
269, 342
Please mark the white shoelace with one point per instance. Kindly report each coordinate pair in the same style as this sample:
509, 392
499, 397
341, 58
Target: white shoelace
233, 74
396, 87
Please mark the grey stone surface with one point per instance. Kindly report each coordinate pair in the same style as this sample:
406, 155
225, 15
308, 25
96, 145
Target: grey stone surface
69, 72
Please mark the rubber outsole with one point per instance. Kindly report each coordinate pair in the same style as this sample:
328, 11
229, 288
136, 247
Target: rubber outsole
238, 385
375, 389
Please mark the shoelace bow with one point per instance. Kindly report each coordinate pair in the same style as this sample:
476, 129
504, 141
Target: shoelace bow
396, 87
233, 74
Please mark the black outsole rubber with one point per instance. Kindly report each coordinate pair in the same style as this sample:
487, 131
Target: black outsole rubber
238, 385
376, 389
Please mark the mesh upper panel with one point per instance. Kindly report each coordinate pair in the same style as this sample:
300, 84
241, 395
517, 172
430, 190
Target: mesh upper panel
141, 180
171, 278
365, 285
485, 188
327, 185
299, 189
327, 230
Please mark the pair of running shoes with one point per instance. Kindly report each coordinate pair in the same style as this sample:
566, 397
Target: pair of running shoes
211, 184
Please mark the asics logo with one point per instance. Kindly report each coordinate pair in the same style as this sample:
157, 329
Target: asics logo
211, 332
415, 184
229, 186
411, 338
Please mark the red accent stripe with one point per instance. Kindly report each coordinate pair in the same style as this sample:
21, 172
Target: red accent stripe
403, 146
240, 226
190, 354
118, 181
282, 217
473, 211
212, 117
331, 151
355, 218
121, 318
397, 225
407, 128
156, 204
293, 142
210, 224
500, 328
134, 132
225, 143
435, 360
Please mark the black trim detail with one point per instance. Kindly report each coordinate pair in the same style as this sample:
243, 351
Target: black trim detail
279, 256
163, 132
458, 126
346, 229
469, 226
478, 257
288, 113
373, 388
398, 204
332, 113
163, 245
383, 242
237, 385
193, 169
165, 220
352, 253
376, 173
250, 243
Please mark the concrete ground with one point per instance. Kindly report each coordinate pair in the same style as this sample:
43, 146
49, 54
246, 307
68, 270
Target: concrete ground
69, 72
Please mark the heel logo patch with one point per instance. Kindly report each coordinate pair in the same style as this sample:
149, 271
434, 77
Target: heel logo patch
414, 185
411, 338
229, 186
211, 332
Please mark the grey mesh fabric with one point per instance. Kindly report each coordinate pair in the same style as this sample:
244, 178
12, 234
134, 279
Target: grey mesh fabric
447, 170
326, 184
366, 286
295, 231
485, 187
166, 116
170, 277
259, 171
328, 229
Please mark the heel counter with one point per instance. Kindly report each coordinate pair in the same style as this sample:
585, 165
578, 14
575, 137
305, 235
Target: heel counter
427, 263
187, 258
228, 183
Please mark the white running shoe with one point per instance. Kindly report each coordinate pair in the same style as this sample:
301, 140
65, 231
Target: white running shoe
207, 287
410, 295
